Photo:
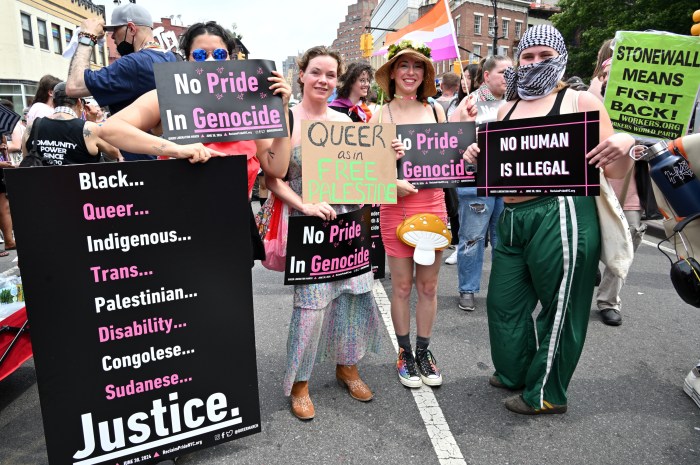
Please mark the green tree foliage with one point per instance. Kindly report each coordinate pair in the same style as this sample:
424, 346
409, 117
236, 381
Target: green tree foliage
586, 24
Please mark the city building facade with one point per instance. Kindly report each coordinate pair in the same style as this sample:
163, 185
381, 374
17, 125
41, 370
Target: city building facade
347, 41
34, 34
474, 22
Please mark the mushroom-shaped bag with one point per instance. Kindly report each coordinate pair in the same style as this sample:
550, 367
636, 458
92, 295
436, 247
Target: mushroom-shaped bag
427, 233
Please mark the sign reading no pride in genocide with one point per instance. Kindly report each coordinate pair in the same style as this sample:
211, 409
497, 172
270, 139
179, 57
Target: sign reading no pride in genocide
320, 251
133, 355
539, 156
434, 154
653, 83
218, 101
348, 163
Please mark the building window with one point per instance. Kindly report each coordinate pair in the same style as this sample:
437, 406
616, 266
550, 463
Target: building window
476, 50
56, 38
67, 34
100, 54
490, 50
93, 58
518, 29
492, 26
477, 25
458, 23
27, 33
506, 24
503, 51
43, 34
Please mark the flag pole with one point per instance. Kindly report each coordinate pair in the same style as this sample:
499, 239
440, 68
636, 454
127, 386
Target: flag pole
454, 36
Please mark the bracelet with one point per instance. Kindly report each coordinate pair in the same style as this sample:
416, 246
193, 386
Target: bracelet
92, 37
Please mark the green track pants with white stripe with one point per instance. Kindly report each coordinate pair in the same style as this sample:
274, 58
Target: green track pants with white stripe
548, 252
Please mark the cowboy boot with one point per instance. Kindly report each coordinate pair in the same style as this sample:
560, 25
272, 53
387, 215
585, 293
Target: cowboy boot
348, 377
302, 407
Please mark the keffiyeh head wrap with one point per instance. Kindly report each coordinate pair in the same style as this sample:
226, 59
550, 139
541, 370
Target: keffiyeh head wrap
537, 80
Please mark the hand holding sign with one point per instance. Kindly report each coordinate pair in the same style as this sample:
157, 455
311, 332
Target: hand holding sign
472, 153
610, 150
280, 87
197, 153
399, 148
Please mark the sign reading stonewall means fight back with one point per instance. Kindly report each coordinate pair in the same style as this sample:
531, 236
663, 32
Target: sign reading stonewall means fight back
434, 154
654, 83
539, 156
133, 355
320, 251
218, 101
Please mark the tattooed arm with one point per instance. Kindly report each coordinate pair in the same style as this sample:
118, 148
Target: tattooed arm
75, 83
96, 145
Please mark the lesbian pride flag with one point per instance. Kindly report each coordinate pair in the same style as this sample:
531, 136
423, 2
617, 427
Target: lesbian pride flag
435, 29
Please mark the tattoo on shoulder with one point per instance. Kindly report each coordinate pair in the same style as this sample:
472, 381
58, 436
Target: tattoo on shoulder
271, 153
86, 132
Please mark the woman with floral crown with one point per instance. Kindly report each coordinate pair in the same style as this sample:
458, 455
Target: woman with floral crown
408, 79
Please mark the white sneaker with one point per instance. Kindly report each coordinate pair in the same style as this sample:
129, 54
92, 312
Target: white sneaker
452, 259
692, 385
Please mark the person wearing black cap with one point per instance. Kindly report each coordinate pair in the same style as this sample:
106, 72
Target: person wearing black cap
129, 77
63, 138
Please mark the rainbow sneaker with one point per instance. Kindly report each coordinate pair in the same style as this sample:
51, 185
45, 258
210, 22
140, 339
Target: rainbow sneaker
406, 367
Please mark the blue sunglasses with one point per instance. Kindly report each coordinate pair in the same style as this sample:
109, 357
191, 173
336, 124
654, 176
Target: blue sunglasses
201, 54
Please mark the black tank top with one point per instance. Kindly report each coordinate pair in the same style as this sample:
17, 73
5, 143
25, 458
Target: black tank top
556, 108
61, 142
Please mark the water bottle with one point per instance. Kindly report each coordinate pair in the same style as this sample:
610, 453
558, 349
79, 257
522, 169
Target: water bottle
674, 177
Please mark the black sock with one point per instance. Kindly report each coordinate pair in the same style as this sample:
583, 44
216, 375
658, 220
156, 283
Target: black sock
422, 343
404, 342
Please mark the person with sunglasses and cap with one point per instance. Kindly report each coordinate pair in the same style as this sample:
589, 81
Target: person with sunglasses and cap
129, 77
550, 246
129, 128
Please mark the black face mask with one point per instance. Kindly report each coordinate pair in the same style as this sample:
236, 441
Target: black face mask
124, 48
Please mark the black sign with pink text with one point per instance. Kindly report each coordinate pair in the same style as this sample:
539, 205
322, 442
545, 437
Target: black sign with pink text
539, 156
321, 251
138, 296
377, 252
217, 101
434, 154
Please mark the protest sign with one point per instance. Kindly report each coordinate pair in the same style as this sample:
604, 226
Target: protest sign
133, 354
488, 111
377, 253
653, 83
348, 163
321, 251
539, 156
218, 101
434, 154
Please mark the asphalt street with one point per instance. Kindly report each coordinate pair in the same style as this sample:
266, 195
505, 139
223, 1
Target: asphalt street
626, 403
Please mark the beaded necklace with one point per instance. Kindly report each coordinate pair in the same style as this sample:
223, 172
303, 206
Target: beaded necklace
66, 110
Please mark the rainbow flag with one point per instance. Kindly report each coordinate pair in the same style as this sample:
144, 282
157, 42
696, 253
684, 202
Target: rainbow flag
435, 29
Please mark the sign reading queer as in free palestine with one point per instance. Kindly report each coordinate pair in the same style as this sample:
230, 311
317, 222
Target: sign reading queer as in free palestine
133, 354
653, 84
434, 154
539, 156
348, 163
321, 251
217, 101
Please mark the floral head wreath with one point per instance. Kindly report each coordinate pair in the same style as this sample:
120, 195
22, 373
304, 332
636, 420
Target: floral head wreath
404, 44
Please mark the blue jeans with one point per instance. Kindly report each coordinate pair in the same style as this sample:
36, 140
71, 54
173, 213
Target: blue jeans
476, 216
